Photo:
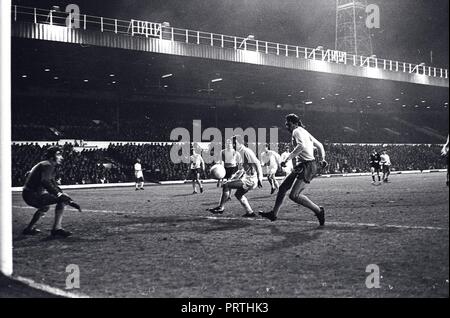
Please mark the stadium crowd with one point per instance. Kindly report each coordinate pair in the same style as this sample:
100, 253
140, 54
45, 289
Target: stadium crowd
89, 120
114, 164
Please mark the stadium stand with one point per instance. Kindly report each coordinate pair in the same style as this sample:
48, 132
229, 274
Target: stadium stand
115, 163
90, 120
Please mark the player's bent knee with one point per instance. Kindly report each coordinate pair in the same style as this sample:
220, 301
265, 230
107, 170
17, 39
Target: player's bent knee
44, 209
293, 197
238, 196
60, 206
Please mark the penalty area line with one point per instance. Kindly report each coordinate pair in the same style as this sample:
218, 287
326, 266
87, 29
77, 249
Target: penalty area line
84, 210
374, 225
396, 226
46, 288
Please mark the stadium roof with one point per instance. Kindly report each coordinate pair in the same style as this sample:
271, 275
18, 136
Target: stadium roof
411, 30
48, 67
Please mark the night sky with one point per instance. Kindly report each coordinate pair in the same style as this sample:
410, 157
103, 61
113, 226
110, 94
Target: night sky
410, 29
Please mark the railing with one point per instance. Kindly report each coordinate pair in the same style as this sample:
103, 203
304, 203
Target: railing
136, 28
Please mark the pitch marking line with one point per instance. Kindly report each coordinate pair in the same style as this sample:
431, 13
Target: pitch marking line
46, 288
84, 210
408, 227
339, 223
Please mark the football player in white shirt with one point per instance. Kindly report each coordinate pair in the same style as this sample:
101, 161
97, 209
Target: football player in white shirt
197, 166
386, 166
138, 175
287, 169
271, 160
305, 169
230, 159
244, 180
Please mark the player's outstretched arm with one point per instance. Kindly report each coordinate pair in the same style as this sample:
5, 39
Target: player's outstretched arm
257, 165
278, 159
321, 149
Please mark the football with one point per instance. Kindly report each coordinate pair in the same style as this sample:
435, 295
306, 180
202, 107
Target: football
217, 171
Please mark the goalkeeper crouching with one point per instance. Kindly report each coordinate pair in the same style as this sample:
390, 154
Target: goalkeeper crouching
305, 169
41, 190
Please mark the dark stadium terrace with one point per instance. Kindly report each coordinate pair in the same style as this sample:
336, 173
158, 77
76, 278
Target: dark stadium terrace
119, 87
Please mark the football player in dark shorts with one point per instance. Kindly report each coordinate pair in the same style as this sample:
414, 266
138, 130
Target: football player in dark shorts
305, 168
197, 166
229, 171
41, 191
375, 167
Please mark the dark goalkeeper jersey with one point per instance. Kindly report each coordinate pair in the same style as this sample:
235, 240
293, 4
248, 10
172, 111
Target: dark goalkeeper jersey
42, 176
375, 159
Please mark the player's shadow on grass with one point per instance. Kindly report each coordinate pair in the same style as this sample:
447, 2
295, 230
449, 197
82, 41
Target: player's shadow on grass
267, 197
199, 225
291, 239
182, 195
228, 225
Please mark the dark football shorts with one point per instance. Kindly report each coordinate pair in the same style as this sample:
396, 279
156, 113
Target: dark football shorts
193, 174
229, 171
140, 179
306, 171
386, 169
39, 200
376, 167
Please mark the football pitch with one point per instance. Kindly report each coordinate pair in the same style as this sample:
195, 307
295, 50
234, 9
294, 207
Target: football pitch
161, 242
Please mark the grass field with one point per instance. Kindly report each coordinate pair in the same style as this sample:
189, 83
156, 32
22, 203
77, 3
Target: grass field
162, 243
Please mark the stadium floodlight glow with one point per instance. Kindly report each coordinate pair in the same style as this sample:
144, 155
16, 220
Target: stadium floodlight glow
86, 81
47, 70
167, 75
308, 103
112, 75
24, 76
56, 78
397, 99
322, 98
216, 80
